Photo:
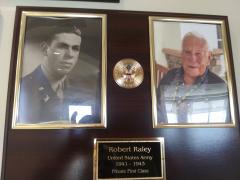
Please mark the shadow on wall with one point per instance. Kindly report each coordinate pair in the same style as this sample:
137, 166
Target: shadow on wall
1, 27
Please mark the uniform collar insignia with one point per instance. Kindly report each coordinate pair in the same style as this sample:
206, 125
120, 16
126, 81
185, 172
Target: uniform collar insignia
41, 88
46, 98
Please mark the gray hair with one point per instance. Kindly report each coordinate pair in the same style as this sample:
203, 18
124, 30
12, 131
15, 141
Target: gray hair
196, 35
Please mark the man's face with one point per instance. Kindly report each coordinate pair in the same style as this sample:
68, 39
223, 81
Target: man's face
195, 57
63, 53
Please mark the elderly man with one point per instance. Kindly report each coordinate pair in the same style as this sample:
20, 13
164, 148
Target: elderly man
46, 93
187, 94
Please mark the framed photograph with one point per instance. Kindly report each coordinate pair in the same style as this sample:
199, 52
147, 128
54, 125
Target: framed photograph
192, 76
60, 66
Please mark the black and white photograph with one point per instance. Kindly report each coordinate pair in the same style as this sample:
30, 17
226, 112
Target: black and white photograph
191, 73
60, 74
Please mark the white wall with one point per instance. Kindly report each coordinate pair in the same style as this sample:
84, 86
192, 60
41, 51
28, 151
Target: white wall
162, 40
164, 30
215, 7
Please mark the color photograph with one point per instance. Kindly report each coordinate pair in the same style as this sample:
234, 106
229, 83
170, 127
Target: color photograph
191, 73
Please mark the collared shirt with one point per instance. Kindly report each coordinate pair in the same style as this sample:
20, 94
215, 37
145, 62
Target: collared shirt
57, 86
180, 103
177, 77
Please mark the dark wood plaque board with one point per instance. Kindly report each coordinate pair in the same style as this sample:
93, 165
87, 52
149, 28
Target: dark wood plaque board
108, 1
67, 154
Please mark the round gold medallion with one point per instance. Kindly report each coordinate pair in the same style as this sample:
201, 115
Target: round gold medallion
128, 73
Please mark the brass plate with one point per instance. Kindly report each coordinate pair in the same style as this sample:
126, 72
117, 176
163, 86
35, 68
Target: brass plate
128, 73
129, 159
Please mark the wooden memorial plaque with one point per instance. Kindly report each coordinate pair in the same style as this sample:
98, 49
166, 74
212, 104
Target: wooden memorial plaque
63, 150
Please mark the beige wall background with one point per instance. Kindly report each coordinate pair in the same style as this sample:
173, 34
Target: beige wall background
229, 8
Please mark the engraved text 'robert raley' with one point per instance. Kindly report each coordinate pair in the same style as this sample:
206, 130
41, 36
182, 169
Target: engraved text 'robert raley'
141, 149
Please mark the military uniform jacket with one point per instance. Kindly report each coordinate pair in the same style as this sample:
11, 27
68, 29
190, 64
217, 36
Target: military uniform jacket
38, 102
